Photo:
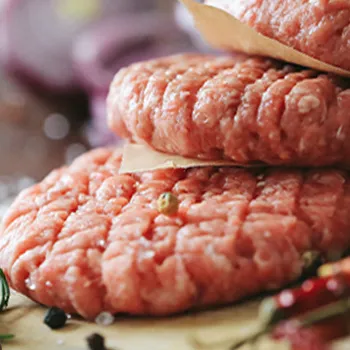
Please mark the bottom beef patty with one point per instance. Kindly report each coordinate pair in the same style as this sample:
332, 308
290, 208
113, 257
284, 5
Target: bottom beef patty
87, 239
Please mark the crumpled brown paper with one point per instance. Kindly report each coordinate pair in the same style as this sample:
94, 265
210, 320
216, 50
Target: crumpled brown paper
138, 158
223, 31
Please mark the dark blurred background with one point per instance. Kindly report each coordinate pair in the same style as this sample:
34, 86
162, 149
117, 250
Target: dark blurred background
57, 58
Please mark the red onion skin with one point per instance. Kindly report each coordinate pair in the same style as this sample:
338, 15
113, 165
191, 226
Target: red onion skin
312, 293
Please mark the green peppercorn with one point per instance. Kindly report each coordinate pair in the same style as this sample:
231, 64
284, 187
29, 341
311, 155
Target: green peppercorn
55, 318
312, 260
168, 204
96, 342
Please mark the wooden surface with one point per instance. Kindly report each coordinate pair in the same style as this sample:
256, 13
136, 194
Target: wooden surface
24, 319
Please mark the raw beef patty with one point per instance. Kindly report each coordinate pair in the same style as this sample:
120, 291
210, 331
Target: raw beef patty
87, 239
246, 110
319, 28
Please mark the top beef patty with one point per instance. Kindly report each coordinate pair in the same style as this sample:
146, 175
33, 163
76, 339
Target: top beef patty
319, 28
87, 239
227, 108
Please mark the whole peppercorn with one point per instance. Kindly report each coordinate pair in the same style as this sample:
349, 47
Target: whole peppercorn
168, 204
96, 342
55, 318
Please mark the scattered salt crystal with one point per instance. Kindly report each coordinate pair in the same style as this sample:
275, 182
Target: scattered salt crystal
302, 145
30, 284
149, 254
104, 319
340, 134
87, 284
184, 94
48, 284
101, 243
60, 342
308, 103
69, 316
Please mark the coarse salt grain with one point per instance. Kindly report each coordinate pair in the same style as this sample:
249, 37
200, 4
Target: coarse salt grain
340, 134
104, 319
101, 243
308, 103
60, 342
30, 284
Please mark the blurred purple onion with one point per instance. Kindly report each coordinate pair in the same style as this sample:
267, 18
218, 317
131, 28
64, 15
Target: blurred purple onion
36, 36
107, 47
115, 43
63, 45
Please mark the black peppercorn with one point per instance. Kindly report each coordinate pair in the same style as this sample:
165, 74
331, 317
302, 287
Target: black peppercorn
96, 342
55, 318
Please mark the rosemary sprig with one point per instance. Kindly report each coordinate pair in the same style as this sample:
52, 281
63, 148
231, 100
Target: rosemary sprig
5, 291
251, 339
6, 336
5, 297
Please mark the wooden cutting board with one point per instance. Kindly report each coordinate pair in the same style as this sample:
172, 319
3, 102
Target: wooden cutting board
25, 319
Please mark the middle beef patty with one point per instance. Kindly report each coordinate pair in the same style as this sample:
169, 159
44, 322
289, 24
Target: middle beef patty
247, 110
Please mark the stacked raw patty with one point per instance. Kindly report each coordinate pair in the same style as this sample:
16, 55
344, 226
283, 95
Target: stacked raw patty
247, 110
319, 28
88, 239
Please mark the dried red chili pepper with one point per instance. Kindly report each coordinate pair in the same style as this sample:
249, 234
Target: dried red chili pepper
310, 295
311, 316
332, 286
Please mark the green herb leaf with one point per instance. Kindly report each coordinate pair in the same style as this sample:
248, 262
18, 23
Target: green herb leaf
5, 291
6, 336
5, 296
